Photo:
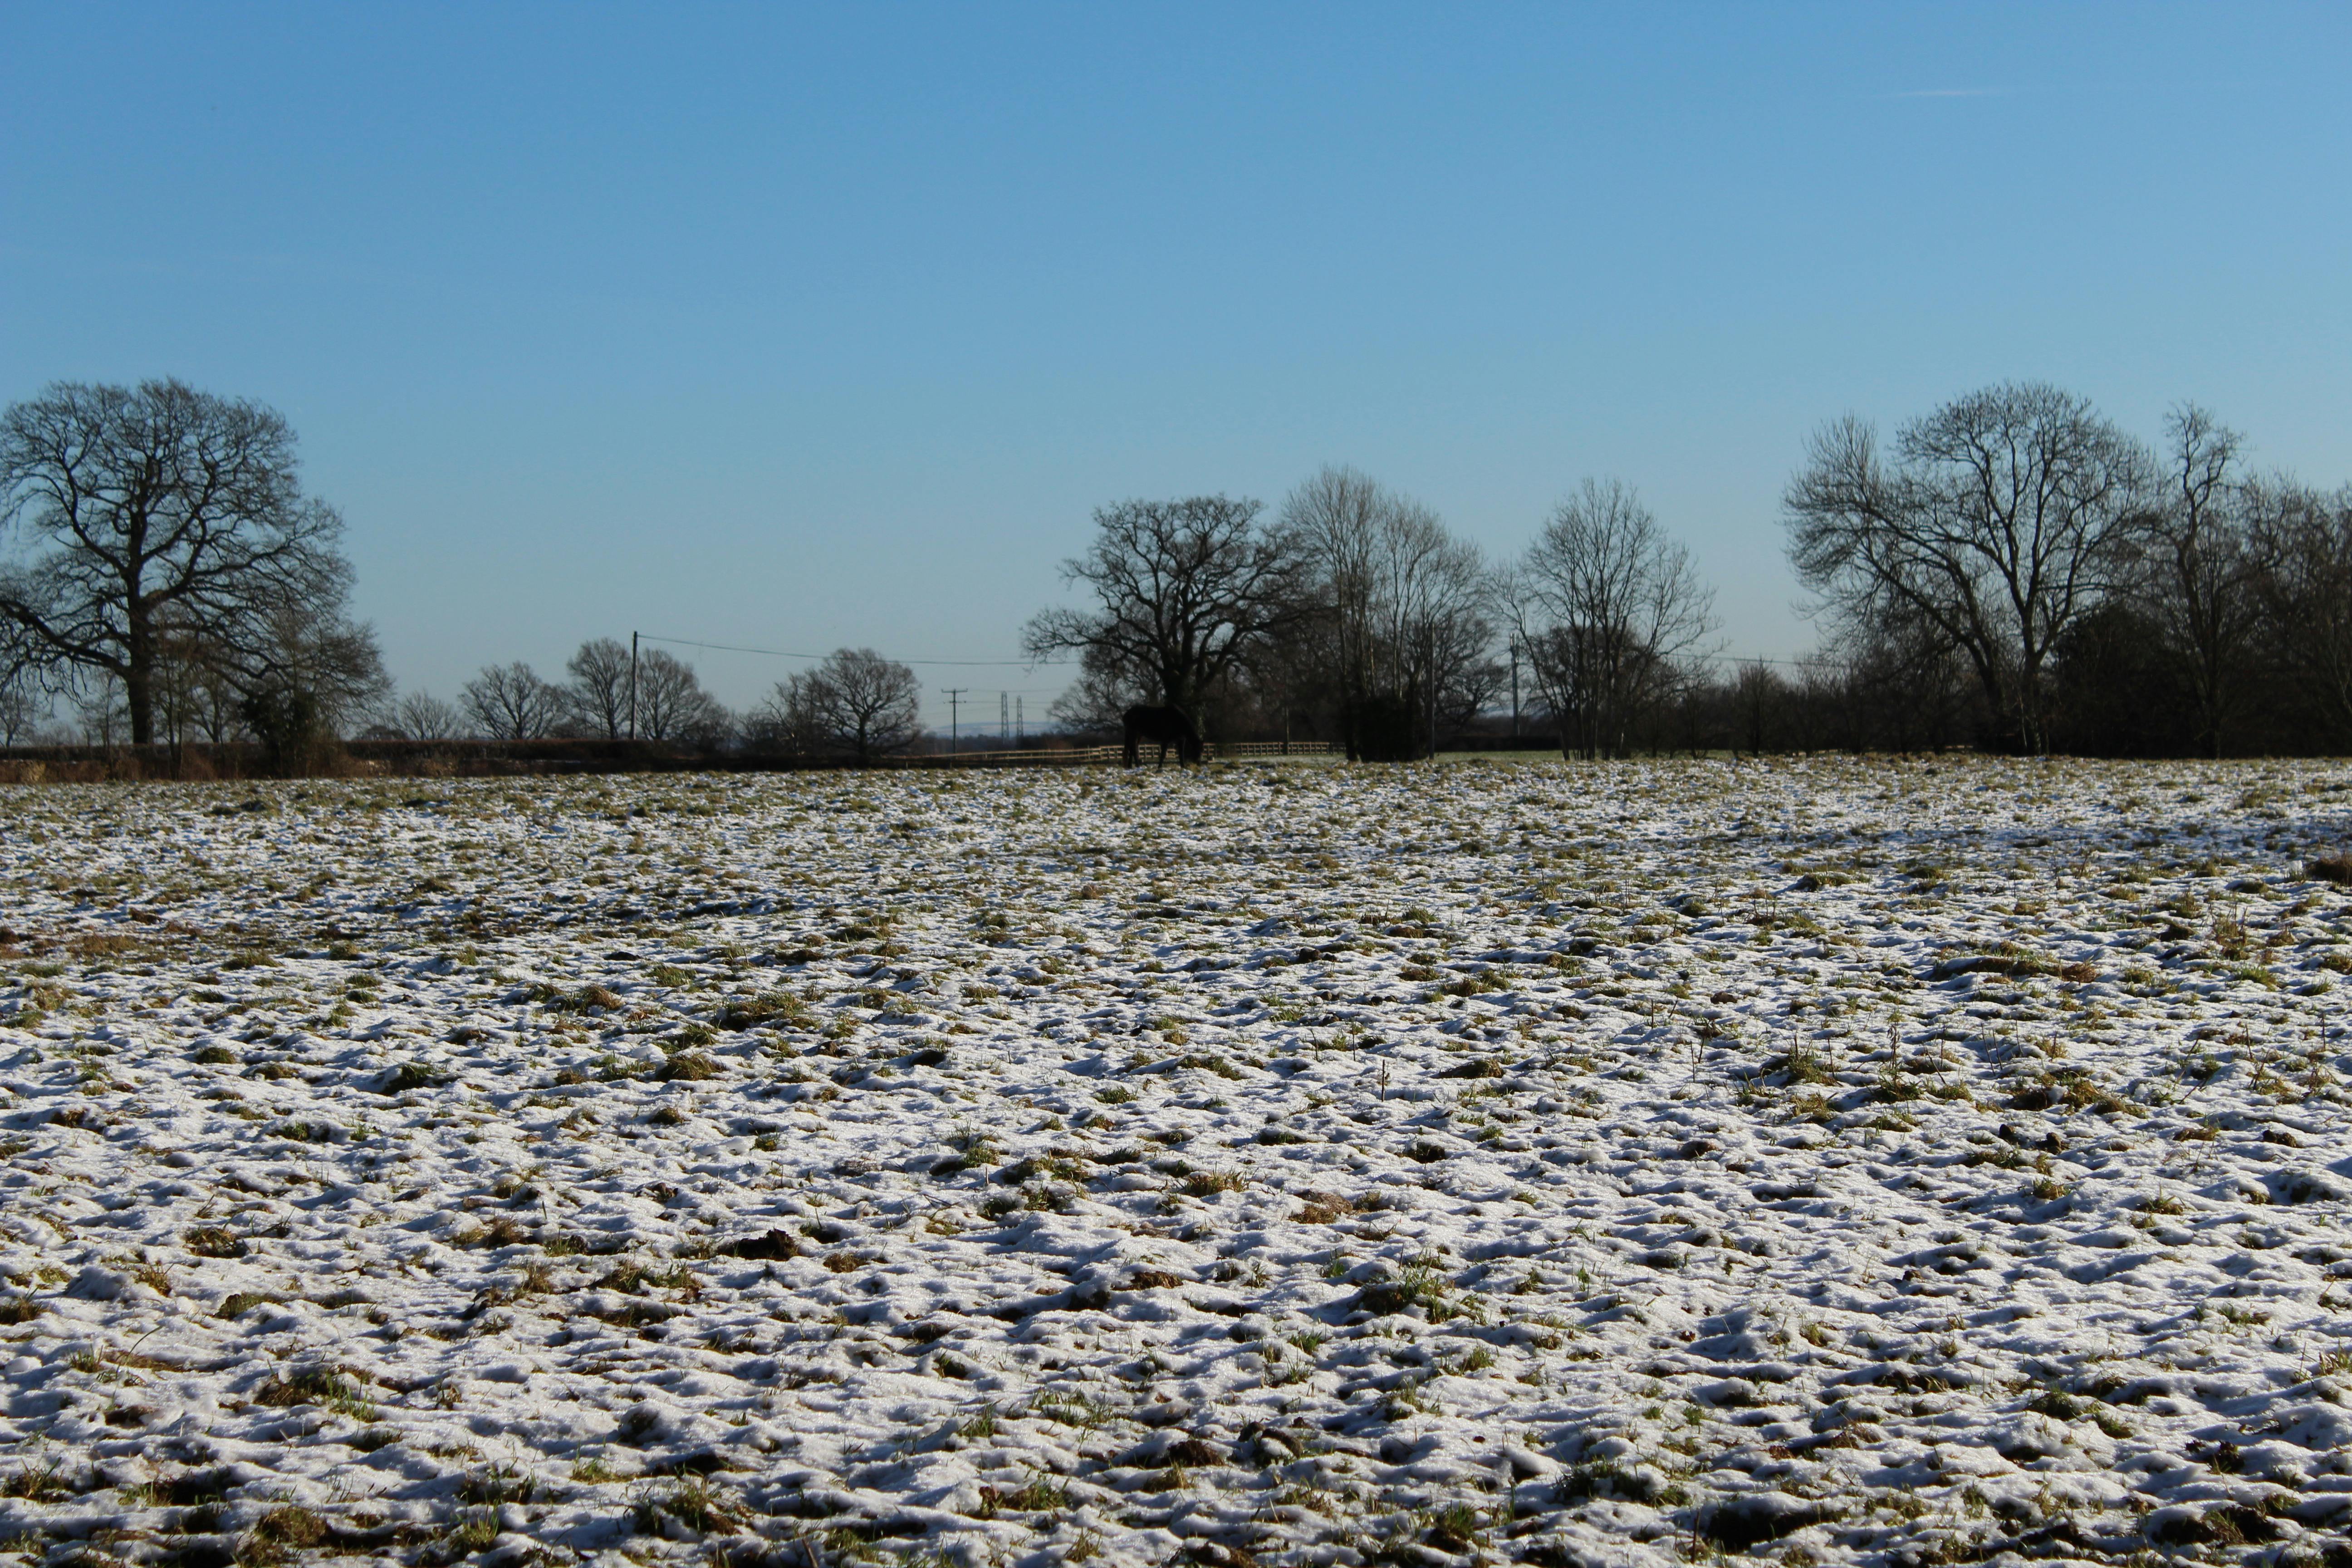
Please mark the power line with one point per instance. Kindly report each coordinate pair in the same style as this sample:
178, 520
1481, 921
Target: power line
1758, 658
787, 653
1733, 659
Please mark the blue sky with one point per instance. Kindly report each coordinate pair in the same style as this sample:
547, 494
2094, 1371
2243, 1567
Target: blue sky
803, 326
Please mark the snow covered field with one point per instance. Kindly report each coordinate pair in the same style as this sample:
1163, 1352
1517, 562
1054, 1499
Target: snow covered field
1898, 1162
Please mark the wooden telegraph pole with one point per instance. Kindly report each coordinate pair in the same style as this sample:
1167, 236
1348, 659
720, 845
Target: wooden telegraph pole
955, 699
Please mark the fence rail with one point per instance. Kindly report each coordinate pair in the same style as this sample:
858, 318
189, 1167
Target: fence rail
1089, 756
65, 764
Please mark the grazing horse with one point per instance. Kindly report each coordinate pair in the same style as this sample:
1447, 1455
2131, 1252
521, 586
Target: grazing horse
1168, 727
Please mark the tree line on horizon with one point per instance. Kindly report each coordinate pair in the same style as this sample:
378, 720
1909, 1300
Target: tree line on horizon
853, 704
2009, 572
171, 583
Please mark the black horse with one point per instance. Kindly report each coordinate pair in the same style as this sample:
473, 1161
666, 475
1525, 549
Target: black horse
1166, 726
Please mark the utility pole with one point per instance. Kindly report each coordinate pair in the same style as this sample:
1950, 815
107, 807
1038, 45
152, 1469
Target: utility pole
1020, 724
955, 700
1004, 718
633, 686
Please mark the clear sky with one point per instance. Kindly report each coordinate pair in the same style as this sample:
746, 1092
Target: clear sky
805, 327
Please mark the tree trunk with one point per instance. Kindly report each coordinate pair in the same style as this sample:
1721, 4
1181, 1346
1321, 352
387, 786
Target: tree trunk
139, 697
137, 662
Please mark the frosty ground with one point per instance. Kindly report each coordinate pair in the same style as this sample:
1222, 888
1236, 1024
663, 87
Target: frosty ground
1906, 1162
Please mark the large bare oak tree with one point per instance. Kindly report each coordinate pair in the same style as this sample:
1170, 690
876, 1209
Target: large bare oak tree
1181, 589
2002, 519
158, 526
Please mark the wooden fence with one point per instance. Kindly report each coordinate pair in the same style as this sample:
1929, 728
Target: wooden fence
1097, 756
474, 759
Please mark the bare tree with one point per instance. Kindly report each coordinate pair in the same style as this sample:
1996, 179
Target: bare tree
2198, 568
671, 703
22, 704
2303, 539
218, 708
599, 686
1893, 682
1759, 695
1404, 608
1181, 589
98, 707
421, 716
510, 702
2004, 516
1337, 520
854, 702
306, 656
1107, 686
1608, 609
306, 675
20, 709
149, 514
